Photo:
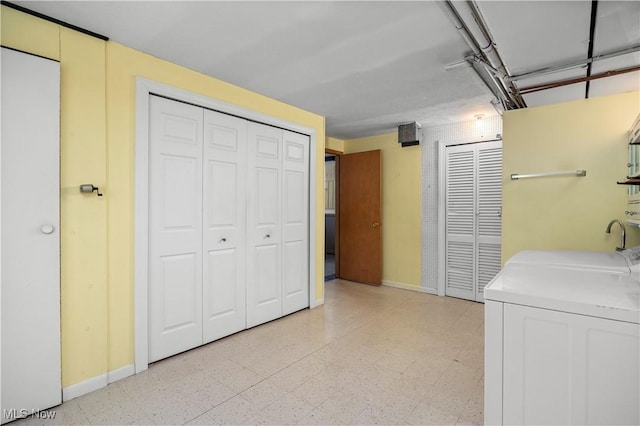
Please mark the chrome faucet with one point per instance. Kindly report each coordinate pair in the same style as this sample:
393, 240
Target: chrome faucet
622, 233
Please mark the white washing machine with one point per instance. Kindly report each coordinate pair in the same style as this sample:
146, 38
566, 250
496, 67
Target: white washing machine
562, 340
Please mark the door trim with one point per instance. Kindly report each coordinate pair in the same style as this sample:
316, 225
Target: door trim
336, 236
144, 89
442, 213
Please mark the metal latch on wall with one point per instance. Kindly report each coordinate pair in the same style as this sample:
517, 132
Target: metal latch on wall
88, 188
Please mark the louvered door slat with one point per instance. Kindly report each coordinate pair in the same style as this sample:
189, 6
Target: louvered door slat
459, 267
488, 263
489, 190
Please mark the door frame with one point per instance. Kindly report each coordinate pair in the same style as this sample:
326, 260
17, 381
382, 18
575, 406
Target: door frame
337, 154
442, 211
144, 89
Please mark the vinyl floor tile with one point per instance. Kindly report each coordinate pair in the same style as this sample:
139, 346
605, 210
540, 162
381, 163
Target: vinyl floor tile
369, 355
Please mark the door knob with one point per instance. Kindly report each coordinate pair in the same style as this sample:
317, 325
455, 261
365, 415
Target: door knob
47, 229
223, 240
374, 224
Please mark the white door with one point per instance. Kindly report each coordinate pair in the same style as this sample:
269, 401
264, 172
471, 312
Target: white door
224, 244
175, 227
264, 224
295, 230
473, 217
229, 227
460, 221
30, 231
489, 214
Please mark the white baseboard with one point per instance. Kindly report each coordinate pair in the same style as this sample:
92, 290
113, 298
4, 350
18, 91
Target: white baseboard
316, 303
405, 286
85, 387
95, 383
121, 373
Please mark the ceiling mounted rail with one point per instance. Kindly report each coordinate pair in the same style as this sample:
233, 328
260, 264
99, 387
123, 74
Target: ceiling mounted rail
554, 84
485, 59
592, 36
574, 64
55, 21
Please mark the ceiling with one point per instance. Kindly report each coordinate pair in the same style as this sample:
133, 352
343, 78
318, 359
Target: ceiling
369, 66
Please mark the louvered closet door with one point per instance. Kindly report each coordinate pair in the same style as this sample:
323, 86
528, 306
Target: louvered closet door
264, 224
175, 228
224, 236
460, 223
295, 231
489, 195
473, 218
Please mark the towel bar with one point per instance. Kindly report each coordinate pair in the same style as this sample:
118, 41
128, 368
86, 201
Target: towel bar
579, 173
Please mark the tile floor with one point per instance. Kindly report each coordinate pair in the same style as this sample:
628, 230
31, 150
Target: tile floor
370, 355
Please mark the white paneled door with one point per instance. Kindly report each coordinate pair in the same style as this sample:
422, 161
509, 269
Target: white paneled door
30, 231
224, 237
295, 222
175, 227
228, 238
264, 224
278, 225
473, 217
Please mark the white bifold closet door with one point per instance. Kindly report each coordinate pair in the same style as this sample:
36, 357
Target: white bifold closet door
278, 227
473, 217
175, 227
264, 293
30, 235
224, 243
228, 239
295, 222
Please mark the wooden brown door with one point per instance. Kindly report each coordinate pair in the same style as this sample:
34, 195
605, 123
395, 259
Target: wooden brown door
360, 216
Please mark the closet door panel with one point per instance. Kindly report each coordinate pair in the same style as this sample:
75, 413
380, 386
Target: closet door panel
30, 235
223, 303
267, 257
175, 228
267, 198
474, 210
489, 213
295, 222
460, 221
179, 290
264, 223
224, 237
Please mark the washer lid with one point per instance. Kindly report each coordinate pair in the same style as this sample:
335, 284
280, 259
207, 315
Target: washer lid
596, 261
602, 294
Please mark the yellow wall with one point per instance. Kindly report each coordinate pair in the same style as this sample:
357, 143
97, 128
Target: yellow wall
334, 144
83, 217
401, 206
567, 212
97, 146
